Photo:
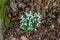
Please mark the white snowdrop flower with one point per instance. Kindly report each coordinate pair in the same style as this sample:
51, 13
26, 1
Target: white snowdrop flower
38, 13
14, 9
22, 16
23, 19
27, 18
32, 28
25, 23
30, 20
38, 25
35, 19
29, 28
29, 23
34, 14
26, 14
30, 12
22, 24
32, 17
39, 16
35, 29
39, 21
21, 27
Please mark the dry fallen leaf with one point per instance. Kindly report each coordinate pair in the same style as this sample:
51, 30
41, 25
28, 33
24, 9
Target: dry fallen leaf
24, 38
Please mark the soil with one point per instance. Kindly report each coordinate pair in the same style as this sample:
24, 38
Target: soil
50, 16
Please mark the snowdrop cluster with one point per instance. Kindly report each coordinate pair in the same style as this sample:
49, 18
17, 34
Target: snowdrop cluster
30, 23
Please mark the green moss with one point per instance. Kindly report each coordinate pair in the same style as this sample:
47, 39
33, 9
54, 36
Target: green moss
4, 12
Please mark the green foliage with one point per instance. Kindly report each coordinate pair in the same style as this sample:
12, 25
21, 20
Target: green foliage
31, 23
4, 12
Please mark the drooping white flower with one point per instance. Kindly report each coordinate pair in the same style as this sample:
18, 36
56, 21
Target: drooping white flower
29, 14
31, 20
22, 17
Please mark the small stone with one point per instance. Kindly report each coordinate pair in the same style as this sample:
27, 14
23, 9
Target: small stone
54, 4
